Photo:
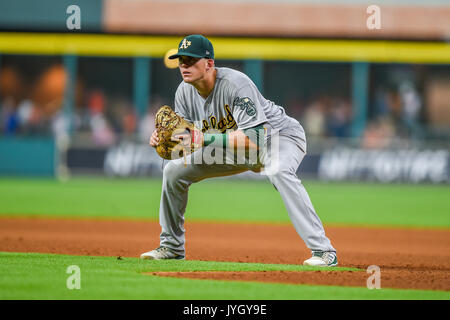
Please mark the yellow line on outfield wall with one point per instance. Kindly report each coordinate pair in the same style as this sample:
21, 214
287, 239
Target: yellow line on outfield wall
228, 48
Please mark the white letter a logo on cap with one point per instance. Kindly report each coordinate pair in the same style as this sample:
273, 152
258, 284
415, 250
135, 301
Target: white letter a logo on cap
185, 44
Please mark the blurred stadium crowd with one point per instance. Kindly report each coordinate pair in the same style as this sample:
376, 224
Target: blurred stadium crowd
372, 92
318, 95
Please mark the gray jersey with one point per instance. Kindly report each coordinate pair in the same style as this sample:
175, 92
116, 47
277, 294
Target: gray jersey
234, 103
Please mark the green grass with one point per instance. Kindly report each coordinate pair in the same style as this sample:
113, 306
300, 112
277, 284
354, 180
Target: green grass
228, 200
42, 276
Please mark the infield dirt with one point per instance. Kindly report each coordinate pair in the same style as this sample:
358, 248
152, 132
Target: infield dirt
408, 258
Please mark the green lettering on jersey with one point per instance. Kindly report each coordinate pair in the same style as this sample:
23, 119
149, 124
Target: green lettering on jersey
224, 123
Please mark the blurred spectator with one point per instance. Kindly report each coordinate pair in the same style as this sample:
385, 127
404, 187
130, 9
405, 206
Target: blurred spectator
32, 100
339, 118
395, 106
314, 119
60, 125
82, 119
381, 102
379, 133
102, 133
129, 121
30, 118
411, 107
122, 115
9, 118
327, 116
147, 124
402, 105
47, 93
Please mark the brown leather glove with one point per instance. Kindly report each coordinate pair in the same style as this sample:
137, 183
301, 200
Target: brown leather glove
170, 127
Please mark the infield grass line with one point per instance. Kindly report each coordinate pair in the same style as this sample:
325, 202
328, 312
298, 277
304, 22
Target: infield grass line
44, 276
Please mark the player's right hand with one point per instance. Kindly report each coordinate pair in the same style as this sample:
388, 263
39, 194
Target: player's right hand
154, 140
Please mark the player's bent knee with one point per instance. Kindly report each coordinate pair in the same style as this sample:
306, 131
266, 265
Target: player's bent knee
171, 171
175, 173
281, 176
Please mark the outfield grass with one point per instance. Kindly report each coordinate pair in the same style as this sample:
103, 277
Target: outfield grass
228, 200
42, 276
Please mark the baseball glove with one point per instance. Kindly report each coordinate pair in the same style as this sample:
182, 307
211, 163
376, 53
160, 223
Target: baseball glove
168, 126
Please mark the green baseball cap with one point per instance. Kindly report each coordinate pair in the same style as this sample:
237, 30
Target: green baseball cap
196, 46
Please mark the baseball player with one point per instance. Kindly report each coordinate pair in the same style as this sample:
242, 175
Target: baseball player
227, 102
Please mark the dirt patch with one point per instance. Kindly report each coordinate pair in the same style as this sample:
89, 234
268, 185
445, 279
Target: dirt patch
408, 258
393, 278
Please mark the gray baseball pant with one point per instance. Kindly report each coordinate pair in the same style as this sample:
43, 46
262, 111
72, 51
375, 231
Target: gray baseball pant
177, 178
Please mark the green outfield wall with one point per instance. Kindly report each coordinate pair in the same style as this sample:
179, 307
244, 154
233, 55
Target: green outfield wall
27, 156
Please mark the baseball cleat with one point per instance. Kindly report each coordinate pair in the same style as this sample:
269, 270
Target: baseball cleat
161, 253
322, 259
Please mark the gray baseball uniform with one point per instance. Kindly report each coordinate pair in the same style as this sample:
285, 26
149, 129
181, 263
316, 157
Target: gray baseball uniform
236, 103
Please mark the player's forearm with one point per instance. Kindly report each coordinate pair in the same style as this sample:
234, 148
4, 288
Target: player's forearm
240, 140
247, 139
